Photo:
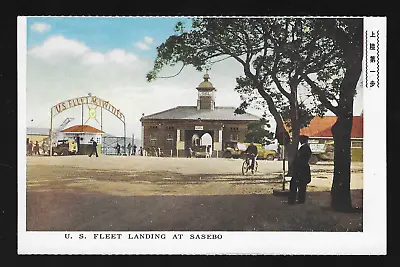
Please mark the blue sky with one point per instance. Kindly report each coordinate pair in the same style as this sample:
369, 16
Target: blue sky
104, 34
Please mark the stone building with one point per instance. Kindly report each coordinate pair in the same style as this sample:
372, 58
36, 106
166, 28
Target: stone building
204, 126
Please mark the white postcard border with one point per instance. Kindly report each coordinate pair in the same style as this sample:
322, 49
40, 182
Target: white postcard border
371, 241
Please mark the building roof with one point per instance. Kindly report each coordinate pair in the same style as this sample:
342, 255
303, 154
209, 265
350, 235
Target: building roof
206, 84
37, 131
82, 129
192, 113
321, 127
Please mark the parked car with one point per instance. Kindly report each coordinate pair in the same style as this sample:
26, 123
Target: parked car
65, 147
263, 153
202, 152
321, 151
235, 150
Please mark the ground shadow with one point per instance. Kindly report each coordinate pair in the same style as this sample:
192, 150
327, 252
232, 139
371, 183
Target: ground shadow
63, 210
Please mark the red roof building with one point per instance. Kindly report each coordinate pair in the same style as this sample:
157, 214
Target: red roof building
321, 127
82, 129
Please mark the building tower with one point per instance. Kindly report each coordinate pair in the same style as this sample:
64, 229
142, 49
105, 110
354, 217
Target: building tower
206, 96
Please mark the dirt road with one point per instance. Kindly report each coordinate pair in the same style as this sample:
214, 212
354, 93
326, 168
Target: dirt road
147, 193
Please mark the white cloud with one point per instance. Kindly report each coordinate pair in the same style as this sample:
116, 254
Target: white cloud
58, 46
120, 56
92, 58
148, 39
41, 27
142, 46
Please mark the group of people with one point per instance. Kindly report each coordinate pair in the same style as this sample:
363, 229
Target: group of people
132, 149
34, 149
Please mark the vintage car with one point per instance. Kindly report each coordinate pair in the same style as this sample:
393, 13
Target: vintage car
235, 150
202, 152
321, 151
65, 147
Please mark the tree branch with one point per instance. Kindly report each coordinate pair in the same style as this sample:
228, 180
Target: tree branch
276, 81
219, 60
258, 68
321, 94
271, 107
167, 77
280, 88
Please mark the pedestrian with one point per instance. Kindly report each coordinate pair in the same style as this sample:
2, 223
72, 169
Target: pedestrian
94, 148
78, 143
134, 149
190, 152
37, 148
118, 147
141, 151
301, 173
30, 148
129, 149
44, 147
208, 149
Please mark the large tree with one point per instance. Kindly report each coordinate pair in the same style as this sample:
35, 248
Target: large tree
347, 37
277, 56
257, 45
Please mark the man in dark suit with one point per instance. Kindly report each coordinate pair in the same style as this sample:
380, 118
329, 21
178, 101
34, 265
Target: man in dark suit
94, 148
301, 172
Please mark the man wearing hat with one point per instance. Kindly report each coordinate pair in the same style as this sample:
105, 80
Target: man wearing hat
301, 172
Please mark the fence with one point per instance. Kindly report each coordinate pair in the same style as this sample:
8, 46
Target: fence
109, 145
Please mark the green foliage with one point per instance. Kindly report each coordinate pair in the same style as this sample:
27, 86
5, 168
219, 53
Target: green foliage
277, 55
258, 133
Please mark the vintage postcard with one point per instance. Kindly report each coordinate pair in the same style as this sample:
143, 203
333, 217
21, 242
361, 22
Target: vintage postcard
202, 135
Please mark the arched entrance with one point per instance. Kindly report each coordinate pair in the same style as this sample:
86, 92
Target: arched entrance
195, 140
92, 103
207, 141
200, 142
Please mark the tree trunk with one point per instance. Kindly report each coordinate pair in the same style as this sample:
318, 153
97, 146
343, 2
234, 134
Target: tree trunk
341, 131
340, 192
295, 125
293, 146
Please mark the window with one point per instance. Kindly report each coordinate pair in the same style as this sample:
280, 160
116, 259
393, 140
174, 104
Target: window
169, 128
153, 140
356, 143
170, 137
98, 140
234, 137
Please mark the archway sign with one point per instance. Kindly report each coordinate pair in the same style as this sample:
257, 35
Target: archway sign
82, 101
